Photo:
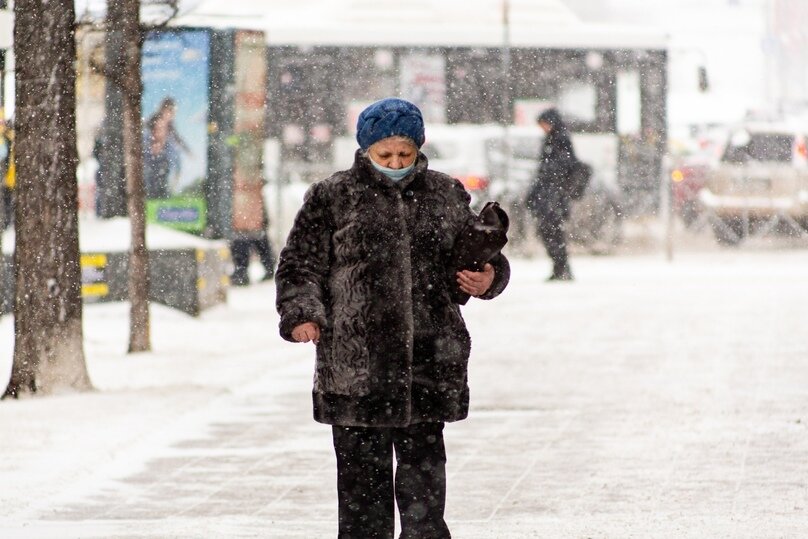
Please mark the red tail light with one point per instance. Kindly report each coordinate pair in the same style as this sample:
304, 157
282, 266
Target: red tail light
474, 183
802, 149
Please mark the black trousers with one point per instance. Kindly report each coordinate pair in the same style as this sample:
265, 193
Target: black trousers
366, 487
240, 250
552, 211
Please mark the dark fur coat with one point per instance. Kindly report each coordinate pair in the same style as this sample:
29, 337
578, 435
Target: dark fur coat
368, 260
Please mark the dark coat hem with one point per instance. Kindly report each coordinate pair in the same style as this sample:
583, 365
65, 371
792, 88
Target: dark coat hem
373, 411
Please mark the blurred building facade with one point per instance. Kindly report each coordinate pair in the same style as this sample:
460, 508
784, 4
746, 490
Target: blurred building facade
755, 53
786, 48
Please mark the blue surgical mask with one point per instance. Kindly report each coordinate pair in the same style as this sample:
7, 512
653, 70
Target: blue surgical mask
394, 174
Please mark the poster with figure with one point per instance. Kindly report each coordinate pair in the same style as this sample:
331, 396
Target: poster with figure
176, 95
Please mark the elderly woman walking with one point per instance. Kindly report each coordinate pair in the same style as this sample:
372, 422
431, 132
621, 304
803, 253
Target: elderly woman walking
367, 276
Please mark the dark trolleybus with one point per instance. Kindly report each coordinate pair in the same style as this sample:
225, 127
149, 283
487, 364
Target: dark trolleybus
463, 66
464, 62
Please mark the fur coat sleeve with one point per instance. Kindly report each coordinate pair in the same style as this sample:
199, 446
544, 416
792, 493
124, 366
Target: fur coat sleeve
303, 266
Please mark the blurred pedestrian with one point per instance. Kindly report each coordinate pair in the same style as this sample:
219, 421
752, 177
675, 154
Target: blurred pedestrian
241, 249
548, 198
367, 275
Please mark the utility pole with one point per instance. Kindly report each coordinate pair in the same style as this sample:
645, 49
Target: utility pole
506, 92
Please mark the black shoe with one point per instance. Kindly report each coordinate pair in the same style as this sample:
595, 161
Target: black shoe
268, 276
566, 276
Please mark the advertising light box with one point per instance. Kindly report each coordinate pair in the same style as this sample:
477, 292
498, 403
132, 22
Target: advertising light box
176, 94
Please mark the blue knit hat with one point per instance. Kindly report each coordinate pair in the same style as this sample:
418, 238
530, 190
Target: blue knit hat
387, 118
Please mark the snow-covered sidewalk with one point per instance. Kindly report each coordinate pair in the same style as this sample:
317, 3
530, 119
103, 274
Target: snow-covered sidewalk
646, 399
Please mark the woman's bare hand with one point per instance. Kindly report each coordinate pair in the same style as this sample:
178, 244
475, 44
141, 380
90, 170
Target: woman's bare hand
307, 331
476, 283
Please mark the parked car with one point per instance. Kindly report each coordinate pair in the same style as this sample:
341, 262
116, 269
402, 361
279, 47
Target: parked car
460, 150
693, 156
688, 179
760, 183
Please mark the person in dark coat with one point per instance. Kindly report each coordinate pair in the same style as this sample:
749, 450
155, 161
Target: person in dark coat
366, 274
548, 199
241, 248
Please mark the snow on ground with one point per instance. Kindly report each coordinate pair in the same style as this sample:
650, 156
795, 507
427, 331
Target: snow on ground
646, 399
139, 396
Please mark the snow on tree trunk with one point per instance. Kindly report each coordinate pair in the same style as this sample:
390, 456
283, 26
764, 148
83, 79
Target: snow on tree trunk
123, 18
48, 347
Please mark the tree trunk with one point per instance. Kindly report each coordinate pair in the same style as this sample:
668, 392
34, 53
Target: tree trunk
48, 347
123, 16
